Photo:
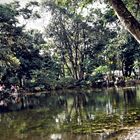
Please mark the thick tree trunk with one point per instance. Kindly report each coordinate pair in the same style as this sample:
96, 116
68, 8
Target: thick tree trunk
129, 21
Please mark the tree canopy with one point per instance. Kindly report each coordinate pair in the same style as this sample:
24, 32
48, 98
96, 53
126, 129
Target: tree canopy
126, 10
82, 42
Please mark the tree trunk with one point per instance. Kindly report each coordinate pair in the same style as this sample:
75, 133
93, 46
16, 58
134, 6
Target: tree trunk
129, 21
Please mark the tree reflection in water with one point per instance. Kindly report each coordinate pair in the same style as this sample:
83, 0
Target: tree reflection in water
53, 116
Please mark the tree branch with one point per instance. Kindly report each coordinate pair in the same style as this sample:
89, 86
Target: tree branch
125, 16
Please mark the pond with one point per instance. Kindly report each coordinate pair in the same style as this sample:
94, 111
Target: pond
72, 115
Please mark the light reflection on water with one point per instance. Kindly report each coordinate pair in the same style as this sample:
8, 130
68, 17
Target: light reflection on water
56, 136
67, 136
49, 114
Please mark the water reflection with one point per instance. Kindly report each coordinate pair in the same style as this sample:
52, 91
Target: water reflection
56, 136
52, 116
67, 136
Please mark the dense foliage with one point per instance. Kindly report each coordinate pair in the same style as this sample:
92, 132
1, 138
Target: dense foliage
82, 44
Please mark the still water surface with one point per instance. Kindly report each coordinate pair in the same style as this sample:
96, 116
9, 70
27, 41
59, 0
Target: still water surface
69, 115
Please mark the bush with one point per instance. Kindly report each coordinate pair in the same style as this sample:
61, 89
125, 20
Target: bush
66, 81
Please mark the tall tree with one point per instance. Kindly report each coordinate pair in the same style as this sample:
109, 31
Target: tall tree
16, 45
78, 41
